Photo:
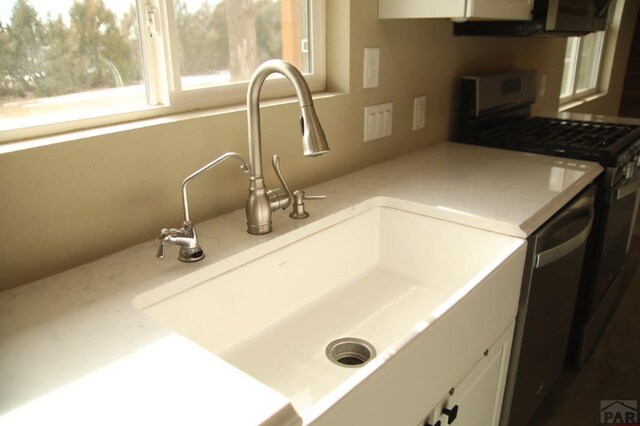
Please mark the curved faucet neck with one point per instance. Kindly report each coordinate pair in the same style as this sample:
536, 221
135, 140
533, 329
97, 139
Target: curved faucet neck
185, 203
253, 105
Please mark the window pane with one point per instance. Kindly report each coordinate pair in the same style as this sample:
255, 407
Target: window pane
568, 72
65, 60
589, 61
223, 41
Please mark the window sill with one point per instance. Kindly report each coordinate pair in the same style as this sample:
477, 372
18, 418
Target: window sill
576, 102
114, 129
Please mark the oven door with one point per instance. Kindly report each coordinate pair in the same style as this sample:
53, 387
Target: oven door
619, 206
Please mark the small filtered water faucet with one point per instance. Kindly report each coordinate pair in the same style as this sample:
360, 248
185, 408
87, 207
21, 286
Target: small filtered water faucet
186, 237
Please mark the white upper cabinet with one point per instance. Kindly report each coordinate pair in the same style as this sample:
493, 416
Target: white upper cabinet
456, 9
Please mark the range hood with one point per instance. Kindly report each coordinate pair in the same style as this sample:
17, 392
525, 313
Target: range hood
555, 18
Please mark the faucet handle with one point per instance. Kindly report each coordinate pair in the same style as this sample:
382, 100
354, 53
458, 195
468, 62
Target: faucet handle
162, 238
186, 238
313, 197
299, 196
160, 252
279, 198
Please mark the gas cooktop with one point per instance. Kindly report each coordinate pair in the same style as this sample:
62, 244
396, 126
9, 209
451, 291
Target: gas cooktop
578, 139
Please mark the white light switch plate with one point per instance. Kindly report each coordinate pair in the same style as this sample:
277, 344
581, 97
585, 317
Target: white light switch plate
419, 111
378, 121
371, 67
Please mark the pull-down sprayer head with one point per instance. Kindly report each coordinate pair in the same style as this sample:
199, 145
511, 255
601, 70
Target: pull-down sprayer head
314, 142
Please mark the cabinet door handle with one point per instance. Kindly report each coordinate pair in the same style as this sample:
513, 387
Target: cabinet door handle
452, 413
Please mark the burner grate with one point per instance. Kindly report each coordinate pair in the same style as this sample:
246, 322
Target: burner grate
556, 133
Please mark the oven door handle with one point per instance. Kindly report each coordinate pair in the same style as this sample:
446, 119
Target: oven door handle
628, 189
551, 255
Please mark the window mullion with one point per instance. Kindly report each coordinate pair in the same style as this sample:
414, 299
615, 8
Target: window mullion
149, 19
317, 25
570, 71
599, 54
170, 48
576, 69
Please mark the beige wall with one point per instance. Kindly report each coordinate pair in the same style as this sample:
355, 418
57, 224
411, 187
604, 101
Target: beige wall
69, 203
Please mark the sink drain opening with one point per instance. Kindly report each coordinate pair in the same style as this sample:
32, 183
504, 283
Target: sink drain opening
350, 352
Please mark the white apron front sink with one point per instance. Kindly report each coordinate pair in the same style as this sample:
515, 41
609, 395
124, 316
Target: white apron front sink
381, 275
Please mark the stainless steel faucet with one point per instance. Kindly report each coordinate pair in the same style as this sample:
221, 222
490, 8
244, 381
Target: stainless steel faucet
262, 202
186, 237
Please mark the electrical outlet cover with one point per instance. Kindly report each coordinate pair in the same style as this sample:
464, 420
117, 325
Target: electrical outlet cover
371, 70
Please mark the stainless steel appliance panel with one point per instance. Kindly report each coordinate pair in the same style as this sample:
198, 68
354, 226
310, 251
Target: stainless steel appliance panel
496, 90
489, 119
547, 303
575, 15
618, 218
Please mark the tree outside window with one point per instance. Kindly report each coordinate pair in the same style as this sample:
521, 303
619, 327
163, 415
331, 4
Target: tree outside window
67, 59
89, 48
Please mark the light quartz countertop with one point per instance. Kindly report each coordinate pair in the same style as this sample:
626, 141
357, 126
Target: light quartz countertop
75, 350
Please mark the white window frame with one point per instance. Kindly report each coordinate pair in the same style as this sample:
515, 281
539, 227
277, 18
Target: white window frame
233, 92
158, 33
606, 54
575, 67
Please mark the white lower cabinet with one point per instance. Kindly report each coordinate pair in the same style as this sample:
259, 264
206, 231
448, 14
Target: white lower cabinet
477, 399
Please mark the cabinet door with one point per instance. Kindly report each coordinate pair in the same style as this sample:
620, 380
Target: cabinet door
479, 395
500, 9
456, 9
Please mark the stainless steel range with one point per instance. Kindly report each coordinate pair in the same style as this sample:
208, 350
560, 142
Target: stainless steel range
495, 111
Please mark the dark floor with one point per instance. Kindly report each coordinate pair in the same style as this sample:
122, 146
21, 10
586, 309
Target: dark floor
613, 373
